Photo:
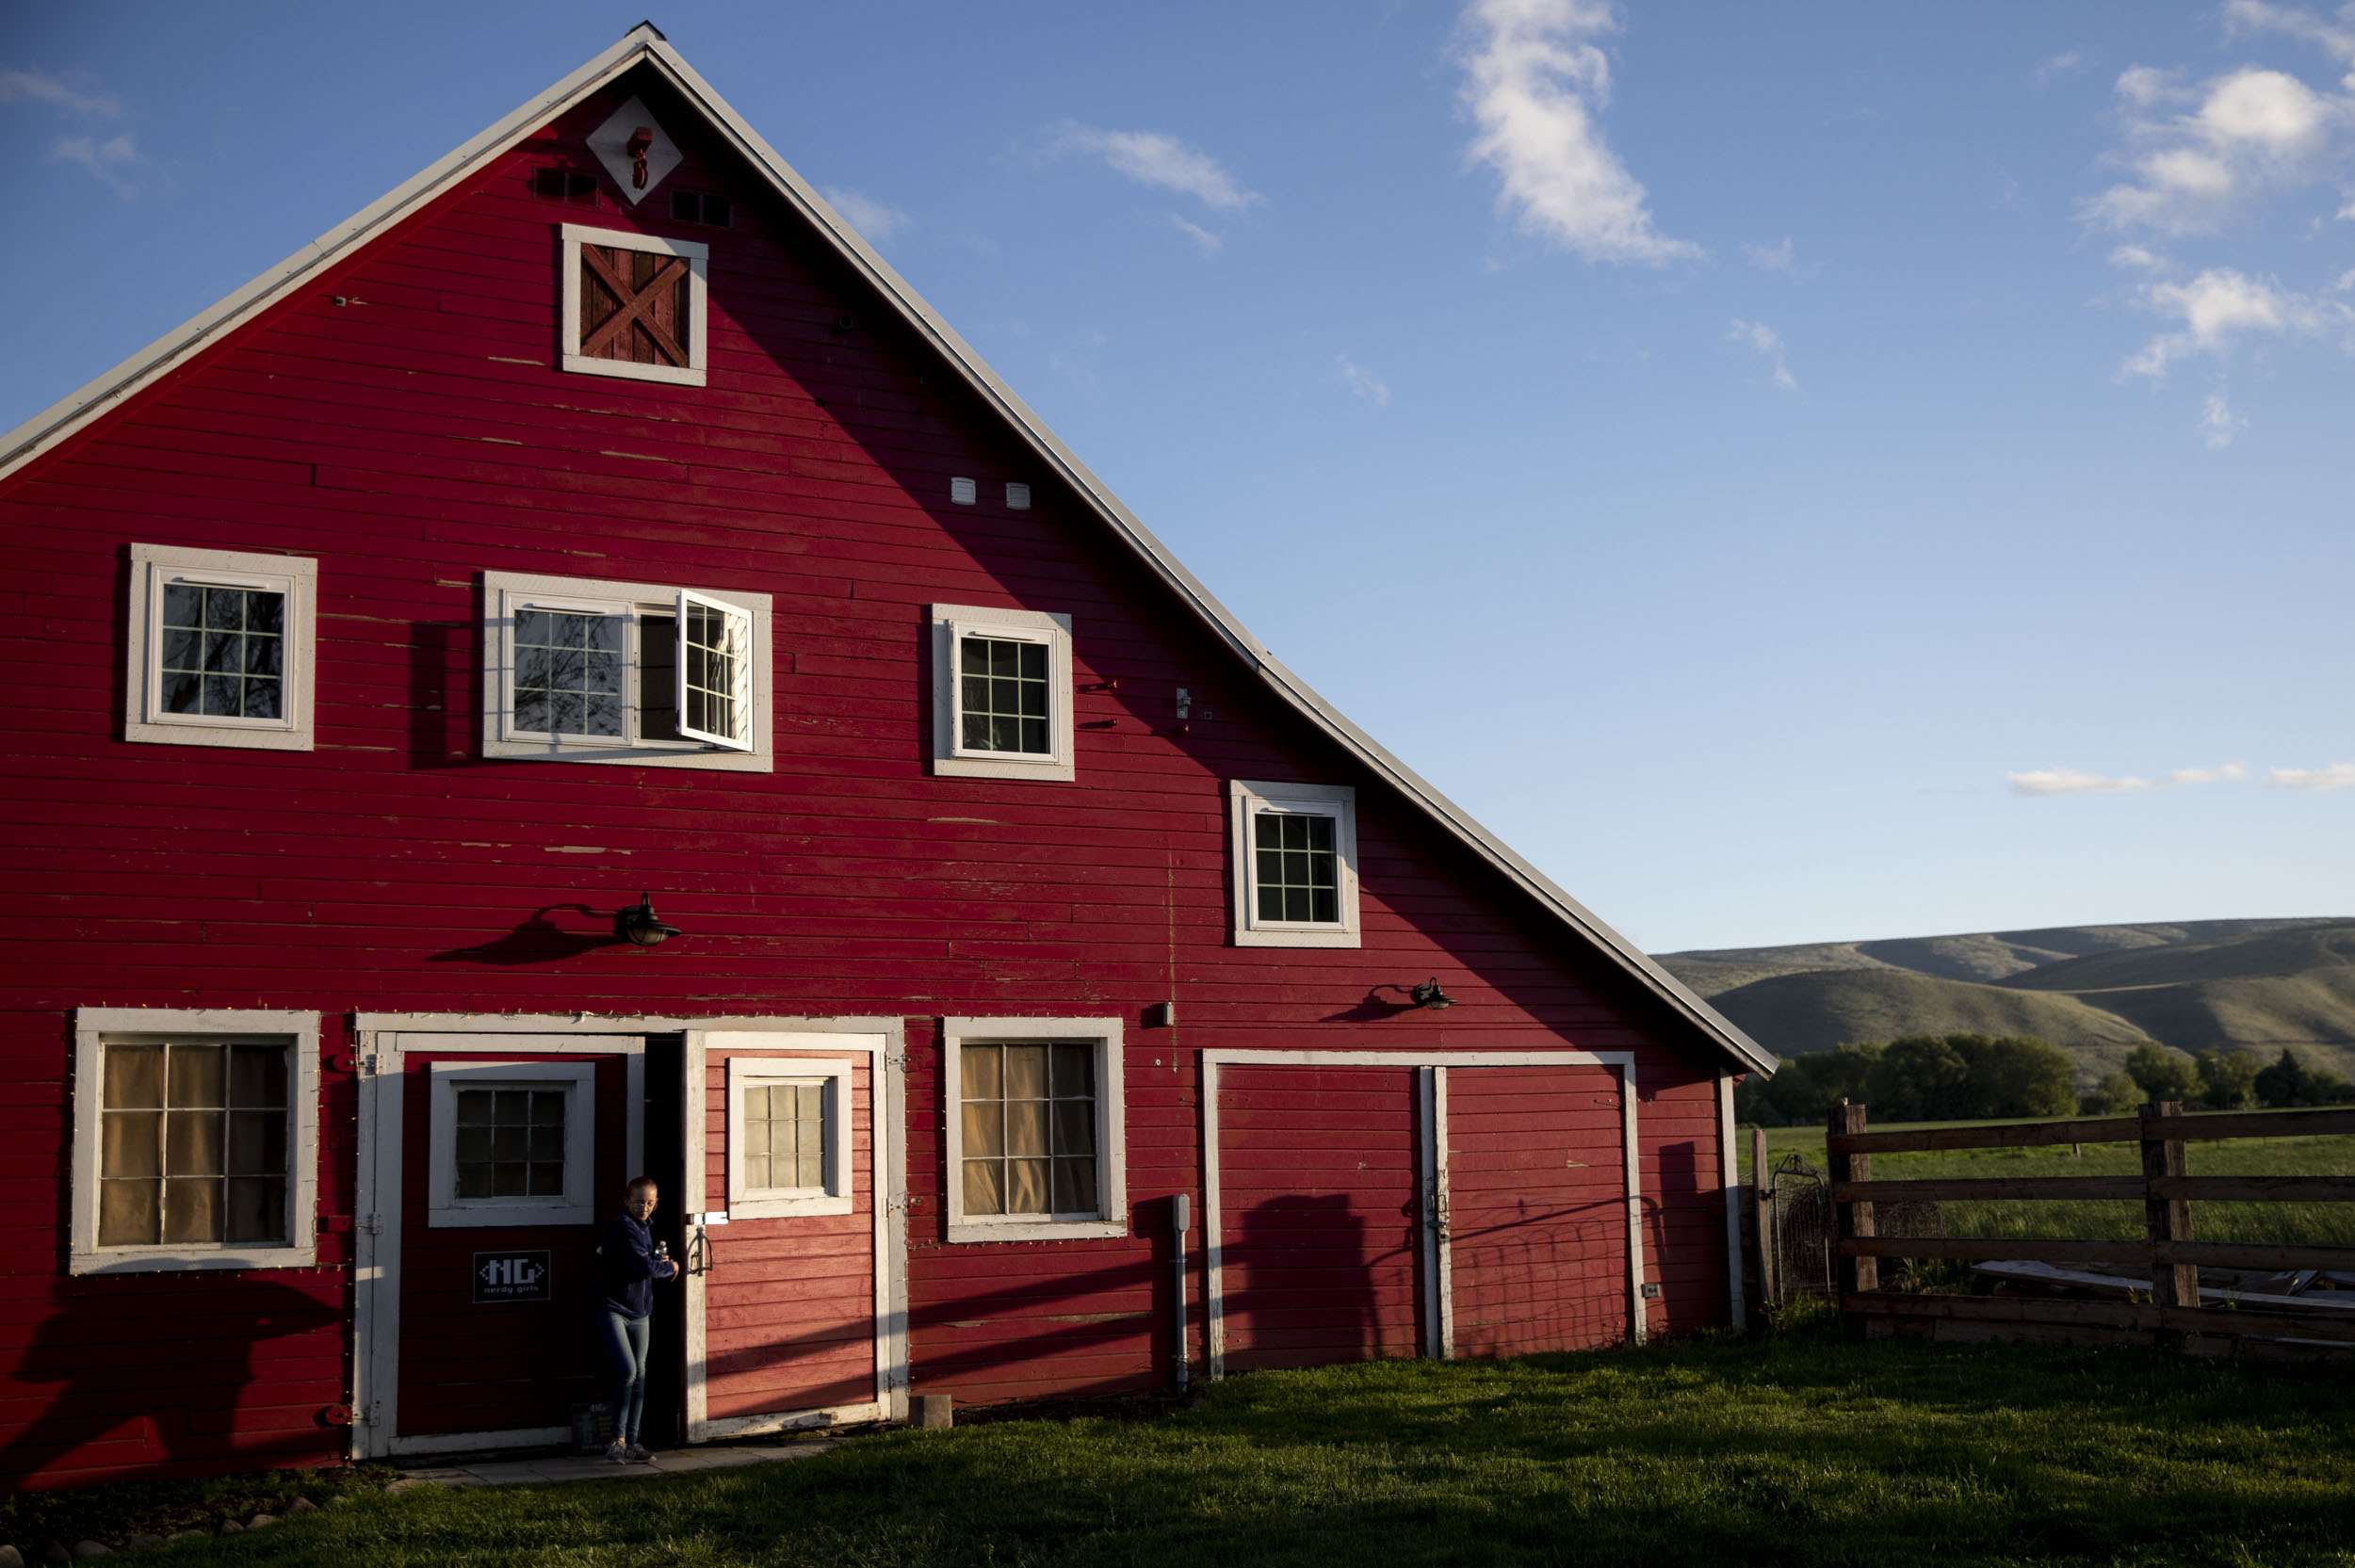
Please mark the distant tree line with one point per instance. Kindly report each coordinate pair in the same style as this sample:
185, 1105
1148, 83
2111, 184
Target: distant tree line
1968, 1077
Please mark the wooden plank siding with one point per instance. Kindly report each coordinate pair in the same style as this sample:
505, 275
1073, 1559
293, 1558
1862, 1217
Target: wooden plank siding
418, 436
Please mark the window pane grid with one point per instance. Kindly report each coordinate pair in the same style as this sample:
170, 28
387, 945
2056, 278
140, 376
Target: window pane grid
511, 1142
1297, 868
1028, 1117
568, 672
192, 1144
714, 664
1001, 703
224, 653
785, 1136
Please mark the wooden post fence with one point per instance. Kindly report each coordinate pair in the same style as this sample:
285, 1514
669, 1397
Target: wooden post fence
1859, 1271
1763, 1219
2168, 1255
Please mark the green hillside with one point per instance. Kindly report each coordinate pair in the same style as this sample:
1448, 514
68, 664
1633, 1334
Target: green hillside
2257, 985
1794, 1013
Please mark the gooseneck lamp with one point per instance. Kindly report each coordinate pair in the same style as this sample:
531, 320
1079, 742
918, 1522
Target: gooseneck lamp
638, 924
1428, 995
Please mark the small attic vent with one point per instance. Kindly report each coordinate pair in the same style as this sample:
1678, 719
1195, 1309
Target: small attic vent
1017, 497
963, 492
563, 185
694, 206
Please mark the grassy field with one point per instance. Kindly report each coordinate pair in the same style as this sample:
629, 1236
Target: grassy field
1798, 1448
2287, 1224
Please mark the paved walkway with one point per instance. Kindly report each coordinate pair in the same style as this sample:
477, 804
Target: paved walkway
573, 1468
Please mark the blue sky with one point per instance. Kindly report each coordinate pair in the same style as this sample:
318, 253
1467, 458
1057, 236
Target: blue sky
1797, 473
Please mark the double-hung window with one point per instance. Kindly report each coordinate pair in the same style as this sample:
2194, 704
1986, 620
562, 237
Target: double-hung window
1037, 1142
219, 648
1295, 864
1002, 693
195, 1139
642, 674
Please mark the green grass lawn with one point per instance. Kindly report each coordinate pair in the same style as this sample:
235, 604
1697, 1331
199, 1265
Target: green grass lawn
1797, 1448
2283, 1224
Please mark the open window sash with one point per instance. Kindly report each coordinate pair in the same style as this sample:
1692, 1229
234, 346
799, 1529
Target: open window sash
714, 679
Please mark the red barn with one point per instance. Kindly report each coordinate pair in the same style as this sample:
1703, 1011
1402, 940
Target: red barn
598, 516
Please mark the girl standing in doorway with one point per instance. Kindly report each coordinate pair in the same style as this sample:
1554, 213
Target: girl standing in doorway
627, 1266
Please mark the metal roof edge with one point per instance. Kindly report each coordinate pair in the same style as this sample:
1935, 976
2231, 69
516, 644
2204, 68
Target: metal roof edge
46, 430
69, 415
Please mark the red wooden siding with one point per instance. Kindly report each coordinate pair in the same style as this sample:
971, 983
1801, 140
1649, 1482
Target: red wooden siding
1320, 1211
789, 1303
1537, 1217
468, 1367
420, 435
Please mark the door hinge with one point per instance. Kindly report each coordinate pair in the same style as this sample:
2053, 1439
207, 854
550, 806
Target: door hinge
372, 1223
374, 1414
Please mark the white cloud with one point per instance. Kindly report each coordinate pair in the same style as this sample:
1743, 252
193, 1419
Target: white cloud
111, 160
2219, 424
1764, 339
1151, 158
1533, 83
2246, 132
1782, 257
1363, 382
2070, 780
874, 222
2339, 775
1200, 236
2135, 255
36, 88
2256, 16
2059, 65
2222, 306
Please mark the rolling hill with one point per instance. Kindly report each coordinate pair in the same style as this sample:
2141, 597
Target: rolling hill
2256, 985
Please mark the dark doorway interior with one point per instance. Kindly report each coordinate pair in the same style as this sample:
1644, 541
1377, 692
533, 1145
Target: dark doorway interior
665, 1420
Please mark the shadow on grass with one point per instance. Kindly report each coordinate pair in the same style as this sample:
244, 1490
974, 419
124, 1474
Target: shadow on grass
1792, 1450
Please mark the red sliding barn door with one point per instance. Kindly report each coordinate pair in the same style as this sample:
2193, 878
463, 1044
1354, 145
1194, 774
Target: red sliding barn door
1536, 1209
1319, 1214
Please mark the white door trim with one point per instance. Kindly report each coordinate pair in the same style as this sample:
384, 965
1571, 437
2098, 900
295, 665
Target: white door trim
887, 1094
1432, 1093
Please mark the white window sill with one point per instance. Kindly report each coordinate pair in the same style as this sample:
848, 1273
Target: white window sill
1037, 1230
631, 370
774, 1209
158, 1260
1042, 769
1297, 939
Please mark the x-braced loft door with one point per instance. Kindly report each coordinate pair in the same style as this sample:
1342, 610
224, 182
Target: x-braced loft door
1363, 1203
796, 1285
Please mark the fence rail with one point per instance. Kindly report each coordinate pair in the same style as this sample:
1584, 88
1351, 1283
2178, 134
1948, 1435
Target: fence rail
2168, 1256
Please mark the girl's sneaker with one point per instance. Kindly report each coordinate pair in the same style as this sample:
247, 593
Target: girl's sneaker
635, 1454
617, 1452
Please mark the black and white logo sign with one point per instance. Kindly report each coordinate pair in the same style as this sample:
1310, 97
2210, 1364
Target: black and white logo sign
511, 1276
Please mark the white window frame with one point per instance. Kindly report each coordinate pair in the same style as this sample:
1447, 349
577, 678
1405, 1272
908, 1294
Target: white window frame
950, 758
1249, 800
504, 592
570, 238
835, 1195
446, 1210
1112, 1140
155, 567
93, 1029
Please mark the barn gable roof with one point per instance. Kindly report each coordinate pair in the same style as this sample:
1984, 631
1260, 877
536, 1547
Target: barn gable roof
645, 47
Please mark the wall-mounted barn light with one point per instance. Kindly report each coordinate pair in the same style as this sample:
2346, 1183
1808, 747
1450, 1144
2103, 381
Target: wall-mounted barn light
1428, 995
637, 923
